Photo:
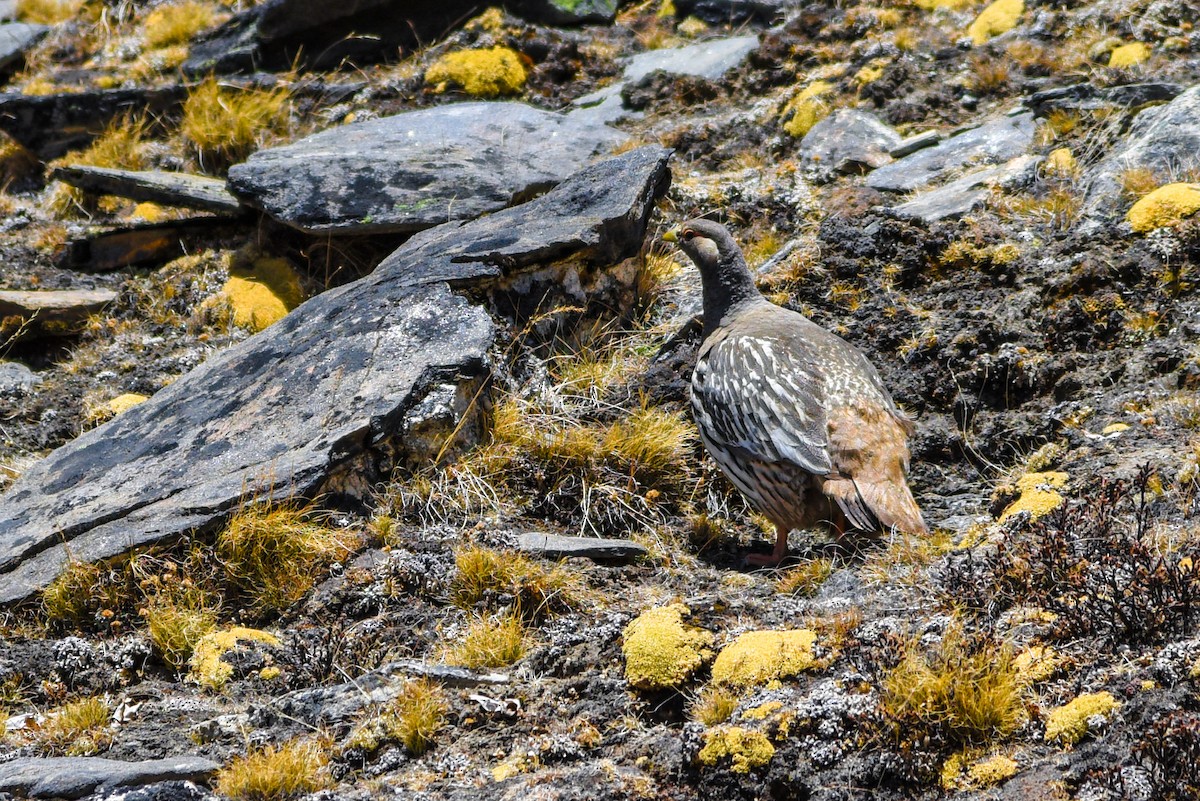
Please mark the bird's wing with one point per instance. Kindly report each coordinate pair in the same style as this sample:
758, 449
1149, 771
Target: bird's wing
756, 397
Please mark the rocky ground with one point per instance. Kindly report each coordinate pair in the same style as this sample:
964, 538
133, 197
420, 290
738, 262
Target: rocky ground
306, 370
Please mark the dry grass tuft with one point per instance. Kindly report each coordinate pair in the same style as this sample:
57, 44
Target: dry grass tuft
47, 12
413, 718
76, 729
274, 552
484, 573
121, 146
178, 613
805, 579
222, 125
177, 24
275, 773
490, 642
714, 705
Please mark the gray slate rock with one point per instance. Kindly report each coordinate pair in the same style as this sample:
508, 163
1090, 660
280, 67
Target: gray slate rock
53, 312
161, 791
155, 186
418, 169
912, 144
16, 378
50, 125
994, 142
1088, 97
967, 193
709, 60
75, 777
8, 10
318, 402
1164, 139
16, 38
847, 142
599, 549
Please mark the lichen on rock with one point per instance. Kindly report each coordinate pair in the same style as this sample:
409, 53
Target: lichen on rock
745, 748
485, 72
661, 652
1164, 206
1038, 495
1129, 55
757, 657
1071, 722
207, 667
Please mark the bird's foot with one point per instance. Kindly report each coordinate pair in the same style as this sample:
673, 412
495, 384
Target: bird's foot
766, 559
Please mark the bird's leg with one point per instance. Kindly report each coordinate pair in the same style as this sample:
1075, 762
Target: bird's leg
776, 556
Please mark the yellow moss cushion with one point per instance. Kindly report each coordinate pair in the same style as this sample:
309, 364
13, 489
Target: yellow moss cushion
1061, 163
660, 651
125, 402
263, 293
1164, 206
1068, 724
807, 109
207, 669
1039, 495
1000, 17
1129, 55
481, 73
746, 748
757, 657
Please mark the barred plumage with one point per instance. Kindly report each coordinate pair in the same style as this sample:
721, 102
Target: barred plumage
795, 417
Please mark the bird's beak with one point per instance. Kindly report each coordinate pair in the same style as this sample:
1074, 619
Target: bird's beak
671, 236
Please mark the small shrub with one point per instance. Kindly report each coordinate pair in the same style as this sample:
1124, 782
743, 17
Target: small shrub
967, 691
1169, 752
273, 552
275, 773
223, 125
489, 643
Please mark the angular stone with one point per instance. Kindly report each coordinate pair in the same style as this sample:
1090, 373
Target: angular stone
994, 142
50, 312
1162, 139
418, 169
75, 777
50, 125
16, 378
315, 403
554, 546
967, 193
912, 144
167, 188
16, 38
847, 142
1088, 97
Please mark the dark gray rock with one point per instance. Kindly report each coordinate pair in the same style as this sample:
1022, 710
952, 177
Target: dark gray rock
16, 38
599, 549
50, 125
318, 402
709, 60
1163, 139
50, 312
911, 144
104, 249
167, 188
847, 142
16, 378
418, 169
1088, 97
162, 791
75, 777
994, 142
967, 193
723, 12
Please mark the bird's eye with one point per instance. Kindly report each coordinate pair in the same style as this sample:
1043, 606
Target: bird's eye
687, 235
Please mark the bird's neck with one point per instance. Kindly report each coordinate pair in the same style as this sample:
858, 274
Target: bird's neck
729, 289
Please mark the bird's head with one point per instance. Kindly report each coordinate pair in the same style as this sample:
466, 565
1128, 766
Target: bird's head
707, 243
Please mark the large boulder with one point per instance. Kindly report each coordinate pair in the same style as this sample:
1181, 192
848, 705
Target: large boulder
418, 169
324, 400
1163, 139
848, 141
76, 777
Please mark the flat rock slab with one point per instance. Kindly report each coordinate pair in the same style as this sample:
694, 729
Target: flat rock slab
16, 38
319, 402
967, 193
847, 142
1088, 97
50, 125
1163, 139
50, 312
166, 188
991, 143
554, 546
107, 249
418, 169
75, 777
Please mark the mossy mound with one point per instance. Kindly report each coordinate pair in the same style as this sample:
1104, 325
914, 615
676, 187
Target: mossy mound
1164, 206
1070, 723
745, 748
1129, 55
661, 653
757, 657
487, 72
207, 667
807, 109
1000, 17
1038, 495
262, 293
125, 401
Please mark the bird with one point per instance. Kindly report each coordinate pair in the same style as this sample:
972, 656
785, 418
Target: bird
796, 417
